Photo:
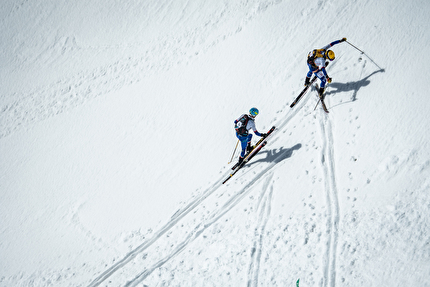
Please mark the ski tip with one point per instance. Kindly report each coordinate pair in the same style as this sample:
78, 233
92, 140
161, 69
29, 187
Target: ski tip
227, 179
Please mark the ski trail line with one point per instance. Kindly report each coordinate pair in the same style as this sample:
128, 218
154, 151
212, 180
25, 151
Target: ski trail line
201, 227
174, 219
332, 201
263, 217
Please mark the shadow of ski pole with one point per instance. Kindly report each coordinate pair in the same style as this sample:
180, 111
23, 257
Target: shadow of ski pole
352, 86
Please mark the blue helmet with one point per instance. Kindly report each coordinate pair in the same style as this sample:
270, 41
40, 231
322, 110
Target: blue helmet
253, 112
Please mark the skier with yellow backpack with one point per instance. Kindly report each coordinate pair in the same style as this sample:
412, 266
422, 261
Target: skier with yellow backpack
317, 63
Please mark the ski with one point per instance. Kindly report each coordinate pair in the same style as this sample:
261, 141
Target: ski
305, 89
255, 146
324, 106
246, 160
321, 99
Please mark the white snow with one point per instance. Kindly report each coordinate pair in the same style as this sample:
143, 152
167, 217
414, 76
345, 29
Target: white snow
116, 126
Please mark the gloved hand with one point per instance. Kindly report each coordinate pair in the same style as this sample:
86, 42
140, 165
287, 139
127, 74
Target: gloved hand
263, 135
307, 81
329, 80
342, 40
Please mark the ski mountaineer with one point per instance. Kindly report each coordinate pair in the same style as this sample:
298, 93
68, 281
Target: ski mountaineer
316, 63
242, 126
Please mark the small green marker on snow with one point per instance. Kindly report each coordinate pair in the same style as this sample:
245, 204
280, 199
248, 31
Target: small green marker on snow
297, 283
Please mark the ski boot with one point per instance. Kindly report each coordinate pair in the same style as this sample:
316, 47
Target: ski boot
240, 159
249, 148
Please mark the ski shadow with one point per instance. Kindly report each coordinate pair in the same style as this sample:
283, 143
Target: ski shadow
351, 86
276, 155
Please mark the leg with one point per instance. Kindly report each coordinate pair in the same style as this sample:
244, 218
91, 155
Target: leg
322, 78
248, 147
309, 75
243, 143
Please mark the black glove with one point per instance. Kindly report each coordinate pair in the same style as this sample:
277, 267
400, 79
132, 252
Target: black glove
307, 81
342, 40
329, 80
263, 135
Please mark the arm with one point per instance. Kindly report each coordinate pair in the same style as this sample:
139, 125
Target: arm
259, 134
324, 71
251, 125
334, 43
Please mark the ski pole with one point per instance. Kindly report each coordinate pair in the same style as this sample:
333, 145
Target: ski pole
233, 152
365, 54
355, 47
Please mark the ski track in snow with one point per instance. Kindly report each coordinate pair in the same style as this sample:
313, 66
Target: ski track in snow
174, 220
332, 201
264, 208
201, 227
195, 233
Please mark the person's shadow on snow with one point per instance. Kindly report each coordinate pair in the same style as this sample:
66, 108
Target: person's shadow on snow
275, 155
351, 86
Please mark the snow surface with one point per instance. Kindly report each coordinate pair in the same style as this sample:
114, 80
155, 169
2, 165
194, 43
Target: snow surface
116, 126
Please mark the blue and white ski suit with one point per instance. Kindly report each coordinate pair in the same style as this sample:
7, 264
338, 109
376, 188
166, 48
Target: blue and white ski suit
246, 137
319, 68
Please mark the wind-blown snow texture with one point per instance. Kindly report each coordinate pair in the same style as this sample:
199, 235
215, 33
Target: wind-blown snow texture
116, 126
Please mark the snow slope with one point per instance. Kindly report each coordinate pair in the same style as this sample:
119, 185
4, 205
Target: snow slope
116, 126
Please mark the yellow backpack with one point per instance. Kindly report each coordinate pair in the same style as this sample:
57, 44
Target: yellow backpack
317, 53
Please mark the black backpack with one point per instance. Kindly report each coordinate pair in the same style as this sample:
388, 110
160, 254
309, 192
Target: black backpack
242, 129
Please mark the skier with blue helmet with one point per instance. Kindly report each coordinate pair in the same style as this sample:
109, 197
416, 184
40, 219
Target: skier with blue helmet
243, 125
317, 63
